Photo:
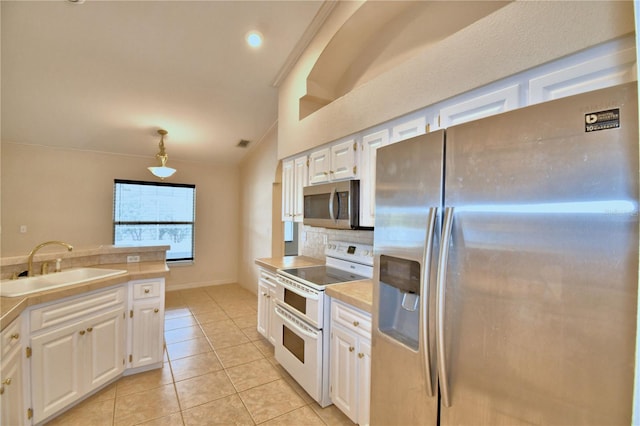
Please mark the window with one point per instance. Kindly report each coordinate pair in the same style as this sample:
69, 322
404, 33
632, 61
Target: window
155, 213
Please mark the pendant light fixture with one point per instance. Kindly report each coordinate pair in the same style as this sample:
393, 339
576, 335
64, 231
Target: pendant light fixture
162, 171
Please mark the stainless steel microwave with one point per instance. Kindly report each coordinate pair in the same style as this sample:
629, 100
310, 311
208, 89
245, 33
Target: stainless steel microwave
333, 205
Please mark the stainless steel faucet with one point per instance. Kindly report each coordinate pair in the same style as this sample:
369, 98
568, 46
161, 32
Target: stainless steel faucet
38, 247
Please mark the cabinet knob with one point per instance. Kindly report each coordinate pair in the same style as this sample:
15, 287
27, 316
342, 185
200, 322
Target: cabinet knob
82, 332
7, 381
146, 290
360, 355
15, 336
156, 310
90, 329
356, 323
264, 294
351, 348
1, 390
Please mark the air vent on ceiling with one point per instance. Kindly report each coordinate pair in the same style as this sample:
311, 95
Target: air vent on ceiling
243, 143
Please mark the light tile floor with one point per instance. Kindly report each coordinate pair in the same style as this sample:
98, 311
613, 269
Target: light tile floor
218, 371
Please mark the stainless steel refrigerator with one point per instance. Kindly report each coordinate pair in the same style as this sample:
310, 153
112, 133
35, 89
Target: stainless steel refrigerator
506, 253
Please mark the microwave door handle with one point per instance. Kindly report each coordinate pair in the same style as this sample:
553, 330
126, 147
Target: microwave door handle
331, 197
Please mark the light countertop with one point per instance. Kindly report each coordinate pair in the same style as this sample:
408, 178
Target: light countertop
12, 307
275, 263
355, 293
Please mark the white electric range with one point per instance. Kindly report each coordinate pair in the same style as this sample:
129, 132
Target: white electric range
302, 314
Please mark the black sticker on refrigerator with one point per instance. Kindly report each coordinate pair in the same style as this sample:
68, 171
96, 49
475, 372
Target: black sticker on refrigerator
602, 120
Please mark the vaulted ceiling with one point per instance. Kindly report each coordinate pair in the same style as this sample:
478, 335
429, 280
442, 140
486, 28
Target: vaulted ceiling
106, 75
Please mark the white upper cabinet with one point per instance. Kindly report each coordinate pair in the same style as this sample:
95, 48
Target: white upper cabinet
343, 160
287, 190
602, 66
607, 69
370, 144
408, 129
300, 178
335, 162
294, 178
319, 166
480, 105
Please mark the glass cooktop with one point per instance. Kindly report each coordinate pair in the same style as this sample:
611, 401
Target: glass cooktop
321, 276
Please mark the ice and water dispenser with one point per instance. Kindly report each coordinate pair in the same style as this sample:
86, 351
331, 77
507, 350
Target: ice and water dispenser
399, 301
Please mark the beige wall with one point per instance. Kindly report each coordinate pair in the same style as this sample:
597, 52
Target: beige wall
515, 38
68, 195
260, 219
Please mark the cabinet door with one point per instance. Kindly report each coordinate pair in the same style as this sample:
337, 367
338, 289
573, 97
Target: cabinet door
147, 333
12, 408
343, 374
287, 190
408, 129
343, 160
479, 106
364, 381
105, 349
597, 73
299, 182
263, 309
56, 369
319, 166
271, 305
370, 145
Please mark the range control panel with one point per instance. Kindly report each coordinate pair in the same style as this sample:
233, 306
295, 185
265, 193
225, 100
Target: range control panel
360, 253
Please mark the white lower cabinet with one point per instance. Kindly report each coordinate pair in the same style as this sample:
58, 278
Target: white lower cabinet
79, 344
146, 325
72, 360
13, 410
266, 301
350, 365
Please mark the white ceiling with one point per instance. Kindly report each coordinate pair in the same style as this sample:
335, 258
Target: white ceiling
106, 75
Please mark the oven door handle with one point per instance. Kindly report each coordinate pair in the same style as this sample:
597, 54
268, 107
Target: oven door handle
299, 329
310, 296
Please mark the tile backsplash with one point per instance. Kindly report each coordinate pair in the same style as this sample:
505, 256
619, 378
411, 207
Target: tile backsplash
312, 240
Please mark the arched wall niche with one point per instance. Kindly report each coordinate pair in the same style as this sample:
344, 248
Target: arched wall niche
378, 36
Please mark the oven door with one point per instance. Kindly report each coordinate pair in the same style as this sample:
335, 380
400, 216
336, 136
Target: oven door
302, 300
298, 349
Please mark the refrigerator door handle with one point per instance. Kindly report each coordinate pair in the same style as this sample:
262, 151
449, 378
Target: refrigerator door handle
440, 289
424, 293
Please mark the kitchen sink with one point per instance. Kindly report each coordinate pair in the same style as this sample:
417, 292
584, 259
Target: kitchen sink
22, 286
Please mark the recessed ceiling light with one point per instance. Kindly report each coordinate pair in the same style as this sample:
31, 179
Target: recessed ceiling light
254, 39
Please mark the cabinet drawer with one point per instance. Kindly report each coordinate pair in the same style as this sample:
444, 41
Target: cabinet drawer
147, 289
268, 277
351, 318
11, 336
77, 308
